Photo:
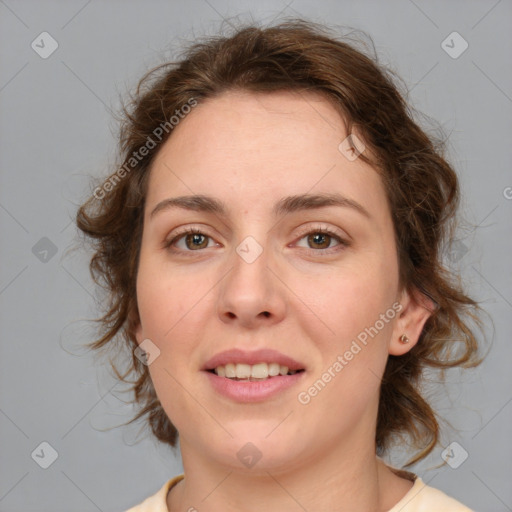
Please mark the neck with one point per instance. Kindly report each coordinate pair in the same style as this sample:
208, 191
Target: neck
343, 480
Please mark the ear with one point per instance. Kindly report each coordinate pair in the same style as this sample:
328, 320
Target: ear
138, 333
135, 324
416, 310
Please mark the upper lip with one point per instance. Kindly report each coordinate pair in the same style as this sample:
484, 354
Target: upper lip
254, 357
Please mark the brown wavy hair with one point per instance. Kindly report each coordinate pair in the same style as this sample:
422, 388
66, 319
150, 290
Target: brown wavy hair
422, 189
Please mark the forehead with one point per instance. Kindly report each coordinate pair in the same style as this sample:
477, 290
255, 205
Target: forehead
252, 148
242, 120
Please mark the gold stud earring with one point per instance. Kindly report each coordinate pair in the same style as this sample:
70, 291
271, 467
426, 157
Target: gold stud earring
404, 339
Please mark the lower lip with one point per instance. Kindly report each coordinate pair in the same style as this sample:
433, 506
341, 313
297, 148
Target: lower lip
253, 391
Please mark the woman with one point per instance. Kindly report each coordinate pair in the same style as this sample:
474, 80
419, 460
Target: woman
272, 245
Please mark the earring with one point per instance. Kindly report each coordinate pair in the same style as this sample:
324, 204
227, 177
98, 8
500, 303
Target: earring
404, 339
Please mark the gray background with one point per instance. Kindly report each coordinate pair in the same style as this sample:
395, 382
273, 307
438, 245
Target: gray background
56, 130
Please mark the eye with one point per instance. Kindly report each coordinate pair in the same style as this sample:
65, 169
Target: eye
193, 240
321, 239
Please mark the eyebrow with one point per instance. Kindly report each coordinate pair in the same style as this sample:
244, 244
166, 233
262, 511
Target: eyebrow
290, 204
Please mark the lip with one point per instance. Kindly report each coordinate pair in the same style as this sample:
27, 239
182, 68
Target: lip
257, 356
252, 391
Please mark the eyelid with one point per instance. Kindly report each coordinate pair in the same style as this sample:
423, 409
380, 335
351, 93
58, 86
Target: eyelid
344, 241
305, 230
188, 229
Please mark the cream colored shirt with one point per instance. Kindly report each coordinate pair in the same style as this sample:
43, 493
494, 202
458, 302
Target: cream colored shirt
420, 498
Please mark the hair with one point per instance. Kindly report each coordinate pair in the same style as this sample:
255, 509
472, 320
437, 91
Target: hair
422, 190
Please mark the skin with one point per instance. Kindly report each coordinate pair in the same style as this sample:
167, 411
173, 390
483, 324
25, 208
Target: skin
250, 150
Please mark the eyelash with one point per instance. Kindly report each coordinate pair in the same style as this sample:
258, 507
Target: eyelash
317, 252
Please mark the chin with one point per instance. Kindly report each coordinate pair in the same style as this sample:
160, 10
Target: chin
257, 448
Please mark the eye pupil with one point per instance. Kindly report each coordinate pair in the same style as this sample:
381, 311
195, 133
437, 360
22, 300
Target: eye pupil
319, 239
196, 240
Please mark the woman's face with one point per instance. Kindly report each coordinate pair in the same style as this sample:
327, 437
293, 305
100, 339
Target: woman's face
263, 275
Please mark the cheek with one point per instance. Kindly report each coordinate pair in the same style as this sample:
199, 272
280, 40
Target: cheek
343, 302
166, 308
362, 312
165, 300
347, 381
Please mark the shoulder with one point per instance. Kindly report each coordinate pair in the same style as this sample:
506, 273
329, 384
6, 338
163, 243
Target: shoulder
423, 498
158, 501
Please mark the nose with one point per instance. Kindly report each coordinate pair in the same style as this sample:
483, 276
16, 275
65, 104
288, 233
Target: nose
252, 294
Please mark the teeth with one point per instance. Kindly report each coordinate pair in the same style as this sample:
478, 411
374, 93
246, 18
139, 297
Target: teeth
243, 371
230, 371
273, 369
259, 371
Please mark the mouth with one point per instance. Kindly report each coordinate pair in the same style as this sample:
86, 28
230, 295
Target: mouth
253, 373
255, 376
254, 389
